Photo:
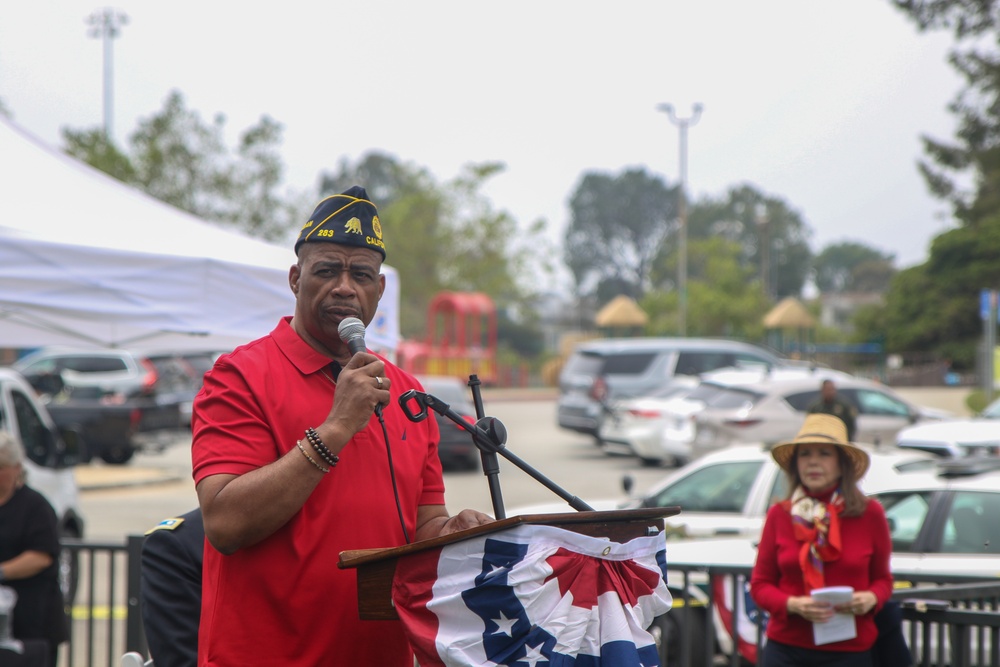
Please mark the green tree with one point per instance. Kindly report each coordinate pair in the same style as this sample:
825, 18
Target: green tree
766, 230
617, 227
852, 267
724, 296
179, 159
92, 146
450, 237
934, 307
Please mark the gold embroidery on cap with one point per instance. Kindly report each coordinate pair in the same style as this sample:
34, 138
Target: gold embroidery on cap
377, 227
353, 226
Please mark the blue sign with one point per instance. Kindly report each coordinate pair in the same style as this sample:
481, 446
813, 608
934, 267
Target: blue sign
986, 297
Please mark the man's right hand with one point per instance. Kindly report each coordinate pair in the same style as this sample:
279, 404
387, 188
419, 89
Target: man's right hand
358, 392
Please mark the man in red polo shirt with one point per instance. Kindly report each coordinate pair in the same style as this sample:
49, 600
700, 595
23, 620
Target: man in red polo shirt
292, 466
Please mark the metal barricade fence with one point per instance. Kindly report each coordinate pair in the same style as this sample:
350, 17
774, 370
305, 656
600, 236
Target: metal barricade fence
947, 620
104, 607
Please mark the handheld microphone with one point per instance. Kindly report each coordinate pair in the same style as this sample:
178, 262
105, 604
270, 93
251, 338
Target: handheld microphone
352, 332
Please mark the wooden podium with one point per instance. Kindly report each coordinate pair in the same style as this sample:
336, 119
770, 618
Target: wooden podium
377, 567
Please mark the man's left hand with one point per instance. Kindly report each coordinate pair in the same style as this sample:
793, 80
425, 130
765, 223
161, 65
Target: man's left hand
463, 520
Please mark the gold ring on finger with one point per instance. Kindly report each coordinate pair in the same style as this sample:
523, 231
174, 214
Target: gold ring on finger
378, 379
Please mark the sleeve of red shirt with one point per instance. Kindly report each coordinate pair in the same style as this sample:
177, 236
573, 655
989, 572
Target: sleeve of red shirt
881, 574
764, 577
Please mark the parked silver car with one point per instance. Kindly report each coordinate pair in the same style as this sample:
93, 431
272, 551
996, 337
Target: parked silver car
599, 371
660, 428
109, 374
773, 410
728, 492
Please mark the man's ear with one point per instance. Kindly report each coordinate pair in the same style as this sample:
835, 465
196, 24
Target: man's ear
294, 273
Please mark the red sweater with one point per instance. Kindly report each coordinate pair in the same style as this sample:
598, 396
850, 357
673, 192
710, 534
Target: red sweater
863, 564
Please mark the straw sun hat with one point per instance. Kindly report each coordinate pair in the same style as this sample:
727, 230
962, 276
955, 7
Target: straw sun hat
823, 429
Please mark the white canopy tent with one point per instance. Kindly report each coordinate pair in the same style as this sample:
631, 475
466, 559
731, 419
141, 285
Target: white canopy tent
88, 261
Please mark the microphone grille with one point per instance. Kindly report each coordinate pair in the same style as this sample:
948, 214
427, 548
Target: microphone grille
351, 328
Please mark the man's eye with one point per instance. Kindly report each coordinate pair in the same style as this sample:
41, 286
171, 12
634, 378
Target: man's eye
363, 276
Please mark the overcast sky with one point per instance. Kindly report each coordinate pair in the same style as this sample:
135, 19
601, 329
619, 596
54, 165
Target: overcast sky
820, 104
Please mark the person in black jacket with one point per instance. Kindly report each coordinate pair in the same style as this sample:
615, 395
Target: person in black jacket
831, 404
29, 557
170, 589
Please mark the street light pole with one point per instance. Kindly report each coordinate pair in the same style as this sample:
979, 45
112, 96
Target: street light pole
106, 23
682, 125
764, 241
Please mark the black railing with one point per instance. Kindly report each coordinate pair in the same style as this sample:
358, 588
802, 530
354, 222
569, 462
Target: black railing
104, 609
948, 620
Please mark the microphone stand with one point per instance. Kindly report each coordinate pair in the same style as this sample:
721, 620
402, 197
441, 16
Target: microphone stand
490, 436
491, 464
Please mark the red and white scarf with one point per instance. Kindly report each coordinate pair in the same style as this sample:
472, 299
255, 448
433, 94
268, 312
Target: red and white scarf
817, 525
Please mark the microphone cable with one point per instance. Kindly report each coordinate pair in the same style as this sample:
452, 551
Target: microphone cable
392, 476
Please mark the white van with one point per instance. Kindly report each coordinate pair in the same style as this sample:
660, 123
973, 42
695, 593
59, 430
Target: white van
49, 457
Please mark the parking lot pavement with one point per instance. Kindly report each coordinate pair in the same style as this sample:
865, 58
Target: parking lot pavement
94, 477
153, 469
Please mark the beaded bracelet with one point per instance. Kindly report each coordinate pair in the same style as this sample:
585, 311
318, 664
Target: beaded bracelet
311, 459
324, 452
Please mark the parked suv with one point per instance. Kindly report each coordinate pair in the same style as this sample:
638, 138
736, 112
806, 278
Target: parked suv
110, 396
107, 373
49, 457
605, 369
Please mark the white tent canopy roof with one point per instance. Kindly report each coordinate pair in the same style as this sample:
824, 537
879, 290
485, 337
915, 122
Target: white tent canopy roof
87, 260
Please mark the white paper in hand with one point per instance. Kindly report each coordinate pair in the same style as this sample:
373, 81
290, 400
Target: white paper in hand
840, 627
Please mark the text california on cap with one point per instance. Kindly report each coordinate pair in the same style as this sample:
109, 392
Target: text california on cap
349, 218
823, 429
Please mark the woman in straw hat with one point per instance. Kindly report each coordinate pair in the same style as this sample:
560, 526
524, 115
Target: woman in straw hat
827, 533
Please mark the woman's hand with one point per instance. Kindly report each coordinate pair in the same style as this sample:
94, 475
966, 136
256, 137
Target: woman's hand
810, 609
861, 603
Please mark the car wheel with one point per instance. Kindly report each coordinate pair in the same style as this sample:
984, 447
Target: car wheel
669, 632
649, 462
118, 453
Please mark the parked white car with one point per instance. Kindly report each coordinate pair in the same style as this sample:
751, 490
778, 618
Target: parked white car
49, 457
954, 438
635, 426
940, 526
728, 492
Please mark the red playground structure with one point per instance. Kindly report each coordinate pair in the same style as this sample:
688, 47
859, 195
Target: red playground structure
461, 339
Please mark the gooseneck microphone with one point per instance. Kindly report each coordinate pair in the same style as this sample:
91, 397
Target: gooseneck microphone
352, 332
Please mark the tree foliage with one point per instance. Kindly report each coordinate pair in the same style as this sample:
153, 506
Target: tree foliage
934, 307
765, 229
450, 237
724, 296
178, 158
618, 225
852, 267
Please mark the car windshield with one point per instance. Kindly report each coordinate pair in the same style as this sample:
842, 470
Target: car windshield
722, 487
992, 410
627, 363
905, 512
971, 527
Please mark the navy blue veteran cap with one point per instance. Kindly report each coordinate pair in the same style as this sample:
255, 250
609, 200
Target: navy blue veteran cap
348, 218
